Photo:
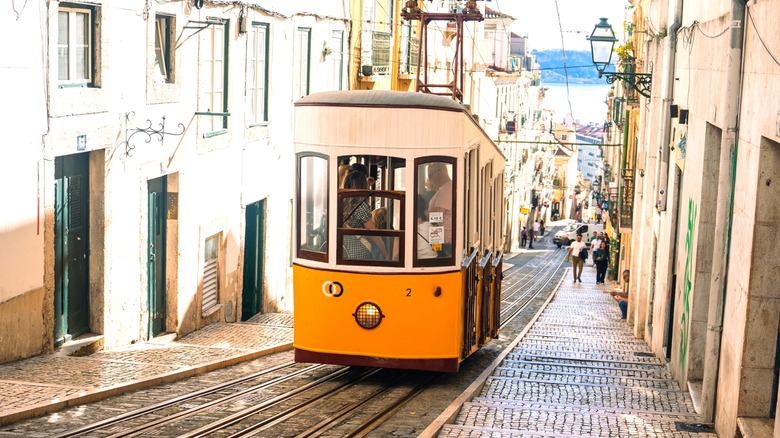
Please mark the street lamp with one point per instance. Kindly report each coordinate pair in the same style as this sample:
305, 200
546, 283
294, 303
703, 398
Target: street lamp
602, 43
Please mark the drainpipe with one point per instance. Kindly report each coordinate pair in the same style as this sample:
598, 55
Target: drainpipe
723, 215
668, 98
396, 51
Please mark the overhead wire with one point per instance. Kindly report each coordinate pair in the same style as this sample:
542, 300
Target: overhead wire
563, 50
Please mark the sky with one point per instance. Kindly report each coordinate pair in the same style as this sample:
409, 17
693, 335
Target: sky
538, 19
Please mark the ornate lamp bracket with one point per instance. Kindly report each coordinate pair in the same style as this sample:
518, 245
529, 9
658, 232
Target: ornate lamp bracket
148, 130
640, 82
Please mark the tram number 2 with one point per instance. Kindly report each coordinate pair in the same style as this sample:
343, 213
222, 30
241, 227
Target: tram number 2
408, 292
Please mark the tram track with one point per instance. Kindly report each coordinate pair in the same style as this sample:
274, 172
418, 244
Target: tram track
313, 400
519, 295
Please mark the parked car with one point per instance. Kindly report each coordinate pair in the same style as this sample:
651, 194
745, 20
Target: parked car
569, 233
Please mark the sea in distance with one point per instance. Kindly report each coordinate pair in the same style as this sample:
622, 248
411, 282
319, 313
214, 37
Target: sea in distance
588, 102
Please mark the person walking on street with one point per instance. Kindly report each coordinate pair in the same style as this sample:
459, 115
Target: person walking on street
523, 237
577, 254
594, 245
601, 260
536, 229
541, 228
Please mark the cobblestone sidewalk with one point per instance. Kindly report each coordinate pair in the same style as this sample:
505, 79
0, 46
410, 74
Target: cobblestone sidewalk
48, 383
578, 372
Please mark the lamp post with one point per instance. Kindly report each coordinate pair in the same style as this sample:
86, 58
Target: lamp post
602, 44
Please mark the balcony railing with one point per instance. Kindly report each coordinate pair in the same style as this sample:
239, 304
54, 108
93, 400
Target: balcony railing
380, 43
410, 46
627, 199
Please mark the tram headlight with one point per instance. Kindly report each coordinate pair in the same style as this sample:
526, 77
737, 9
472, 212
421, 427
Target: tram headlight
368, 315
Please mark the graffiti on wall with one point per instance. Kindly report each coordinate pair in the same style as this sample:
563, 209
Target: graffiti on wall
685, 319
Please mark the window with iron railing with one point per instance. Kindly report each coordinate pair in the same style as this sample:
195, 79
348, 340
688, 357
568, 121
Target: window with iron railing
380, 54
410, 47
627, 198
631, 94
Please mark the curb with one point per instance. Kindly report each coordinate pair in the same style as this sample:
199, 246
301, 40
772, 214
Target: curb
92, 395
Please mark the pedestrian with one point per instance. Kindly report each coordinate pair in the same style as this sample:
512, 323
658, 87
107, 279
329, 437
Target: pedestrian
577, 254
541, 228
595, 244
536, 229
601, 260
531, 238
523, 237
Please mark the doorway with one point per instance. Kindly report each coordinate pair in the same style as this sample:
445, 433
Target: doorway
252, 293
71, 247
156, 254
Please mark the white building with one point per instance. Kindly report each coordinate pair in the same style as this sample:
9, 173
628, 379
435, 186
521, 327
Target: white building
152, 179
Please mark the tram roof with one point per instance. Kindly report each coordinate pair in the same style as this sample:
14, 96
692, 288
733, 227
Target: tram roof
381, 98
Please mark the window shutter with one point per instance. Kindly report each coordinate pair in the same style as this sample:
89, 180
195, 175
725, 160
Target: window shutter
210, 284
210, 274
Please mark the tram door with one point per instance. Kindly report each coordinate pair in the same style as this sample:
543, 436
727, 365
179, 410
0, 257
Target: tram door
252, 293
71, 247
156, 254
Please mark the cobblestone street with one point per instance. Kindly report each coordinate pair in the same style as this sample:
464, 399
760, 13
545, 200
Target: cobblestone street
578, 371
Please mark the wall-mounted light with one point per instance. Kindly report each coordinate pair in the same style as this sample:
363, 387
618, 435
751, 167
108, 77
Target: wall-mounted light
602, 43
197, 3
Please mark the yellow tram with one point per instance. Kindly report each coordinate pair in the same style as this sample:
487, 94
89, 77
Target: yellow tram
399, 226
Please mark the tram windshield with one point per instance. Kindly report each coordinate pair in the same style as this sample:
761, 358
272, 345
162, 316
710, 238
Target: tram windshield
371, 202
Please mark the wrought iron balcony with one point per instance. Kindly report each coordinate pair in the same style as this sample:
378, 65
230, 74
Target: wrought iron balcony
627, 198
378, 47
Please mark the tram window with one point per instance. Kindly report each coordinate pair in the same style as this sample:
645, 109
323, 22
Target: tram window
313, 207
371, 225
434, 209
382, 172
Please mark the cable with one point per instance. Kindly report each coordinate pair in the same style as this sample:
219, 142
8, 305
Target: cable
20, 11
563, 50
761, 39
698, 27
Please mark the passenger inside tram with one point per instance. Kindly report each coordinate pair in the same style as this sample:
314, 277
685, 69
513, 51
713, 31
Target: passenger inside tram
357, 214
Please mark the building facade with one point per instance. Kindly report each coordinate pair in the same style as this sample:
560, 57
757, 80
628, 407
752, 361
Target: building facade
155, 145
706, 207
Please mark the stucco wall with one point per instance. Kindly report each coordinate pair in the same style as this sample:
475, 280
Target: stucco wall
24, 105
22, 331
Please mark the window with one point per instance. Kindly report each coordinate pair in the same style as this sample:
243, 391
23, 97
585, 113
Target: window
434, 208
163, 53
257, 76
75, 57
313, 207
215, 63
210, 273
302, 56
337, 58
370, 219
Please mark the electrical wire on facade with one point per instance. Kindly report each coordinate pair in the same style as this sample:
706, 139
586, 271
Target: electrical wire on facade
760, 39
20, 10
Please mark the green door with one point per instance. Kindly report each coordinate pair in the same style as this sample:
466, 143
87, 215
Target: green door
71, 247
252, 295
156, 255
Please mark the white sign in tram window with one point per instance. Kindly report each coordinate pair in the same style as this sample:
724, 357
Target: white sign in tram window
436, 217
436, 235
